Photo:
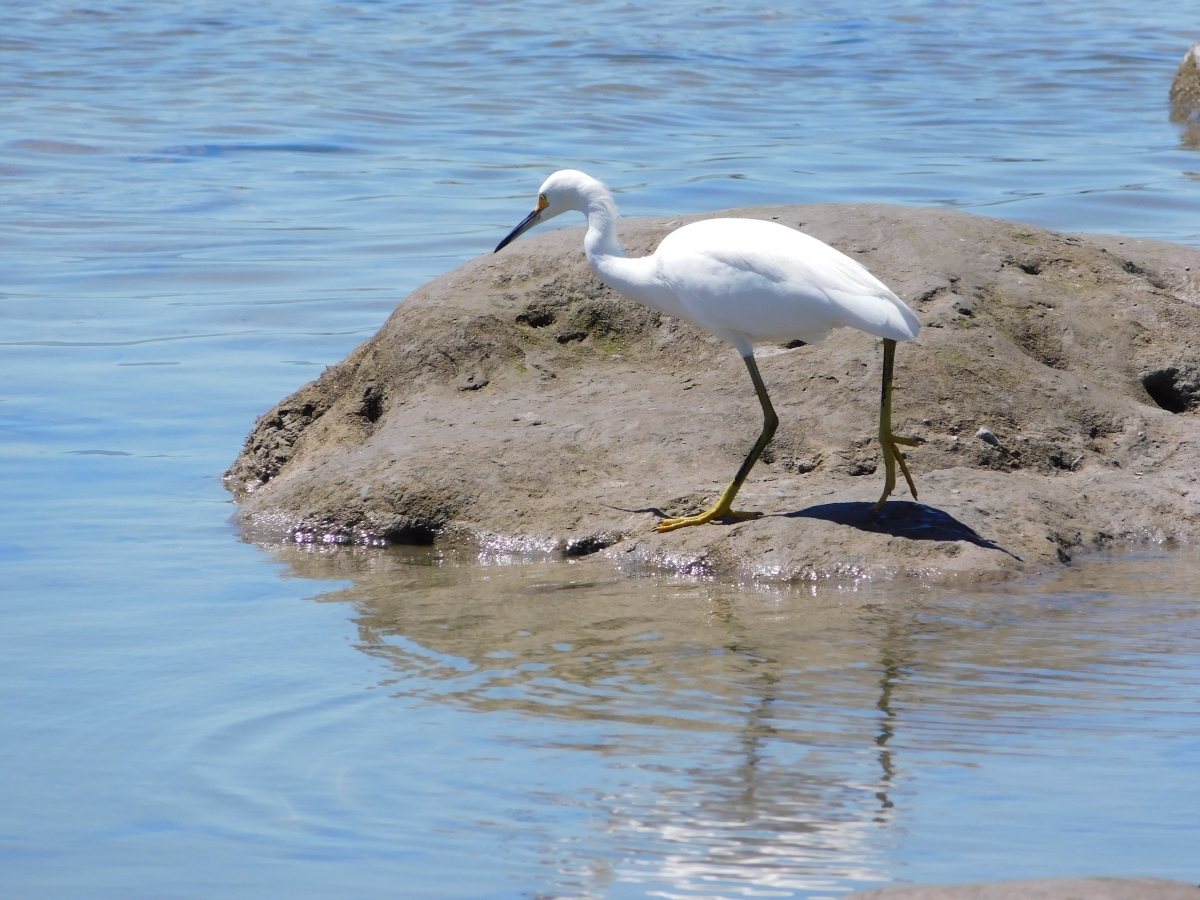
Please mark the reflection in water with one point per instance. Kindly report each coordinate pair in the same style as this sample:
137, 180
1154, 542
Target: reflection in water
774, 732
887, 682
757, 731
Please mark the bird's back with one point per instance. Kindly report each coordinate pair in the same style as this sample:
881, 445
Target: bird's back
749, 279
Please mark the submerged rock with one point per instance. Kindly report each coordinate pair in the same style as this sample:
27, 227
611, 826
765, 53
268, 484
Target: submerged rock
517, 401
1041, 889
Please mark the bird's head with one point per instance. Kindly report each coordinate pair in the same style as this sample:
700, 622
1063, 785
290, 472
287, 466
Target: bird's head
563, 191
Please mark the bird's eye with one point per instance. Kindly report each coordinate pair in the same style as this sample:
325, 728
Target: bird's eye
543, 201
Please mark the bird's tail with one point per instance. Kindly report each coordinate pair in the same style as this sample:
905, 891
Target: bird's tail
884, 315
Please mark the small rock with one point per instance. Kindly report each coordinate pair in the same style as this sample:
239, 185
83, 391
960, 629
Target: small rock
803, 465
861, 467
988, 437
472, 382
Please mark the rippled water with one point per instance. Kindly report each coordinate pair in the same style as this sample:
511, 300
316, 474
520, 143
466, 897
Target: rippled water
204, 204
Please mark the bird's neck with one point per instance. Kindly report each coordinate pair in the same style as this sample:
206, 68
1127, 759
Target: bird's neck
635, 278
601, 211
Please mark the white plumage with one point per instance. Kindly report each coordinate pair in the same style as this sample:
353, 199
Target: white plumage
762, 281
747, 282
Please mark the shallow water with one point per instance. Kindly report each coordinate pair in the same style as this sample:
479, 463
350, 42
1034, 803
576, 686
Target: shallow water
206, 204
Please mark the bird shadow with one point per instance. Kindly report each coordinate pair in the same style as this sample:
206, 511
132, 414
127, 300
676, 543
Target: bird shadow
906, 519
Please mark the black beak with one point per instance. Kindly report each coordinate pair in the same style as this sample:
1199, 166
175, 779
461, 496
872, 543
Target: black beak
528, 222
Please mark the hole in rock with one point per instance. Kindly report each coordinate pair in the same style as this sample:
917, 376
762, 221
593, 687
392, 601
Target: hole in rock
411, 534
1165, 390
536, 318
372, 403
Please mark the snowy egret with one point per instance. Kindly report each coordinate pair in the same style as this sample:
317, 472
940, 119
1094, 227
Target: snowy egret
747, 281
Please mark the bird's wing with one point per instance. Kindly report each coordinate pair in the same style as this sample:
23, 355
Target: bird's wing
771, 282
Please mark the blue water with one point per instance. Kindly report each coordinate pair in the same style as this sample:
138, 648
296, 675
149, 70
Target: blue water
205, 204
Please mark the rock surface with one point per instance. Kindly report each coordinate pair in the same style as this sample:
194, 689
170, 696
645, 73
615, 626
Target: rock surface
516, 401
1041, 889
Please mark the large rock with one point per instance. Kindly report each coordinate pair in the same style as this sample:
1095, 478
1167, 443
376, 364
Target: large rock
1185, 96
518, 402
1185, 87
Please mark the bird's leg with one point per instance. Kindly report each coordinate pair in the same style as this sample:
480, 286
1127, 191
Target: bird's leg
724, 506
891, 453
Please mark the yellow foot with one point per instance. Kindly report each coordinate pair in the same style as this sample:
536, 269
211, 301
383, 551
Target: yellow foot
891, 456
704, 518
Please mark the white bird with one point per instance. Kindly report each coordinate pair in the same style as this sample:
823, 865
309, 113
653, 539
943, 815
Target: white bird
747, 281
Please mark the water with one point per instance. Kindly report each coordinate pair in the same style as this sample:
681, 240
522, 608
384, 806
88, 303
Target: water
205, 204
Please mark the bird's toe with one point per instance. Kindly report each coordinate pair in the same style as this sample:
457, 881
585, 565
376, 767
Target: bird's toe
703, 518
